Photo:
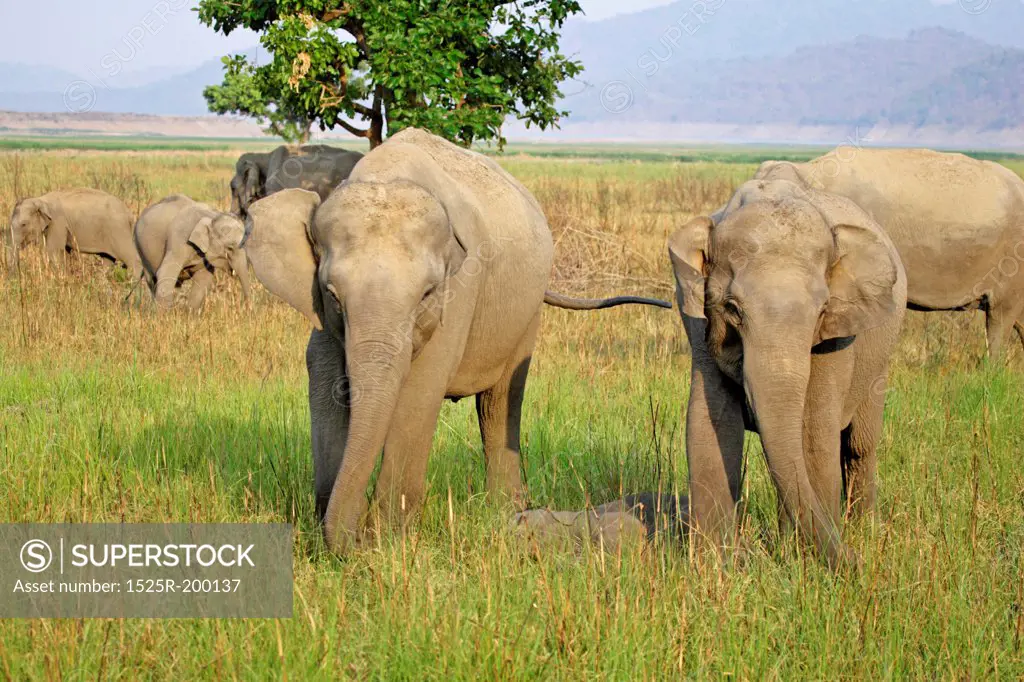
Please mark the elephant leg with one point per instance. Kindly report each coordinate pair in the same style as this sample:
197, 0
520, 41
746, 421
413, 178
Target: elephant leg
714, 444
860, 460
329, 409
402, 482
201, 283
167, 278
56, 253
1002, 317
499, 413
1019, 326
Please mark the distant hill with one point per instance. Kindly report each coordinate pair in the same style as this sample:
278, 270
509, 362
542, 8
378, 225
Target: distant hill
930, 77
28, 78
747, 70
731, 29
38, 89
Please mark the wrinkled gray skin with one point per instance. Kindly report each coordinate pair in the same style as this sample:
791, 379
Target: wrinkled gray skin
249, 180
180, 239
957, 223
318, 168
792, 303
424, 277
83, 220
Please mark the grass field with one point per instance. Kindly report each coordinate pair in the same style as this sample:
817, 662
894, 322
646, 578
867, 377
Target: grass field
116, 413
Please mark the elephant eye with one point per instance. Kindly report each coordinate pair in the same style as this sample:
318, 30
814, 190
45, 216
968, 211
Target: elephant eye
733, 311
430, 291
334, 297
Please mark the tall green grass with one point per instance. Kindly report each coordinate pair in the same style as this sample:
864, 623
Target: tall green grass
113, 412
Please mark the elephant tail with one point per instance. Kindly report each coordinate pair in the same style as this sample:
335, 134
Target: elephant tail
569, 303
135, 286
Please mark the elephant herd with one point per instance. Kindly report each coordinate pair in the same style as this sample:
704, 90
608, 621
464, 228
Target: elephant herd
176, 239
423, 268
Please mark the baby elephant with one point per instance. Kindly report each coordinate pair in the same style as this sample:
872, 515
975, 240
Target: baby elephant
609, 527
792, 303
84, 220
181, 239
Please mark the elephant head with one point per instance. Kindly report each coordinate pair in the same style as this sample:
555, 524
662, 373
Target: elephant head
248, 183
779, 279
217, 236
374, 266
29, 221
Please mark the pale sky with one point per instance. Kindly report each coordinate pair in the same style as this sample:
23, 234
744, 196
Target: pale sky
82, 36
133, 36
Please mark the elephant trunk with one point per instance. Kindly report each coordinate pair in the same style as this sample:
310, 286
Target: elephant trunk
377, 362
10, 249
775, 378
164, 290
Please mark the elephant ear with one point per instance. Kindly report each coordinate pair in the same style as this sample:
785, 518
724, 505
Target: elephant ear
43, 210
688, 249
862, 283
229, 231
278, 245
251, 184
199, 237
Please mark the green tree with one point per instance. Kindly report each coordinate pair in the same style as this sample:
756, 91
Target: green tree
242, 92
455, 67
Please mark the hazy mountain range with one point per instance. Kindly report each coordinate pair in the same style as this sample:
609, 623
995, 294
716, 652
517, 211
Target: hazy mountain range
908, 63
931, 77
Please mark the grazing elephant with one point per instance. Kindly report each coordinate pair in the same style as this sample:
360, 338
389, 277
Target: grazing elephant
424, 277
181, 239
83, 220
792, 303
957, 223
249, 180
319, 168
316, 167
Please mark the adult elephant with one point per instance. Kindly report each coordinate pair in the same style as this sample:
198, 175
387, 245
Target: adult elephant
424, 277
180, 239
792, 302
83, 220
957, 223
318, 168
249, 181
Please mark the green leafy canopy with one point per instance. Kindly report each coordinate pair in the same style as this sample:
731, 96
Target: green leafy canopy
455, 67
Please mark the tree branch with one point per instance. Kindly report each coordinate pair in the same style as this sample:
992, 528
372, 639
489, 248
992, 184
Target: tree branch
364, 110
358, 132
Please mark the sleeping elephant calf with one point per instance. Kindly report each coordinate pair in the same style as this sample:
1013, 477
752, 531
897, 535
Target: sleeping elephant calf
180, 239
424, 276
957, 223
792, 304
83, 220
609, 527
